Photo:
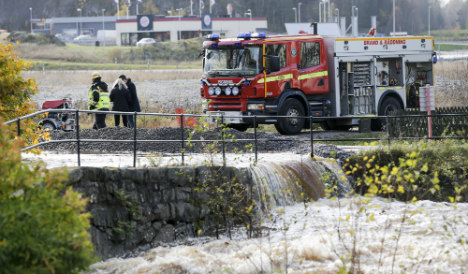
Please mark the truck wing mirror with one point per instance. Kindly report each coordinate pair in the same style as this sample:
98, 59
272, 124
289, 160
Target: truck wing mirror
272, 63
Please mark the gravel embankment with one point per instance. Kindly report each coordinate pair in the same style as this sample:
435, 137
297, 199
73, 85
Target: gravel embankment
267, 142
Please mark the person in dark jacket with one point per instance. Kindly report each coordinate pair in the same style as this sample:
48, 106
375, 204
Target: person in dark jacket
120, 96
98, 95
135, 106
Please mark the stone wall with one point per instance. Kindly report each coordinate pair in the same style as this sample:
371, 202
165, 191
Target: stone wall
137, 209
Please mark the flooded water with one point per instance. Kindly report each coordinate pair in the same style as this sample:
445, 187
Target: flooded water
320, 237
363, 235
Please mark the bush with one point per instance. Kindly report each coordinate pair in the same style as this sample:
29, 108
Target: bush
41, 39
42, 225
436, 171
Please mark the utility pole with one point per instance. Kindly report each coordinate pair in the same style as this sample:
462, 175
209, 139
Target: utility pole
429, 21
393, 16
103, 27
295, 14
81, 26
180, 31
30, 17
249, 13
299, 11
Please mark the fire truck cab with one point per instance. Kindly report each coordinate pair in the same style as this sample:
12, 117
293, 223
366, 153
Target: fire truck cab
309, 75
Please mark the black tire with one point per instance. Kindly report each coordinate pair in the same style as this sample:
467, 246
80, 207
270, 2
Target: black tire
290, 126
389, 105
48, 126
239, 127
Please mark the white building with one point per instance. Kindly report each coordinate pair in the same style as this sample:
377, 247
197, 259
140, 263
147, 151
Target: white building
172, 28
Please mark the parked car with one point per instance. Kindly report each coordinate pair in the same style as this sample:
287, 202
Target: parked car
145, 41
83, 37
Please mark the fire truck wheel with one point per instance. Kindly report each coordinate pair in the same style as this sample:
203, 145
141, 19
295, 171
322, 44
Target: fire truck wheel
48, 126
289, 126
389, 105
239, 127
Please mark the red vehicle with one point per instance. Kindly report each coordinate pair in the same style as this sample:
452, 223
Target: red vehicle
309, 75
58, 120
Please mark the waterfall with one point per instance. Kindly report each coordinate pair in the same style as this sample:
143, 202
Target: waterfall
286, 183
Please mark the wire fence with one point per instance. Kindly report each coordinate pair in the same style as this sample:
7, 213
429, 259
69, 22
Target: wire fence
390, 127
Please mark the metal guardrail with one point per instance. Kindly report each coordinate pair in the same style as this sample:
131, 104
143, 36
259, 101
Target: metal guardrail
255, 140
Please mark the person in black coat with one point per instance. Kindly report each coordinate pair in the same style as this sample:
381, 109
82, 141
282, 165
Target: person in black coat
135, 106
120, 96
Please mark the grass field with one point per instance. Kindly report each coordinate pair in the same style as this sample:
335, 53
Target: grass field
450, 47
61, 65
164, 55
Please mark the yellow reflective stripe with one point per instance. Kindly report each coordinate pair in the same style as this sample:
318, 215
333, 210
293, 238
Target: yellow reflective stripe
363, 116
276, 78
313, 75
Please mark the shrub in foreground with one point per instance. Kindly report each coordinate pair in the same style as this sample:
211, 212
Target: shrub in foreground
435, 171
42, 225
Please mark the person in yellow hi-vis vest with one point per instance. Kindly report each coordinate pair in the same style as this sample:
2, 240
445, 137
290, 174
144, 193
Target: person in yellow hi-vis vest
99, 100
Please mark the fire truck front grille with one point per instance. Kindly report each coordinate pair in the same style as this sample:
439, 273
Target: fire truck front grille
226, 105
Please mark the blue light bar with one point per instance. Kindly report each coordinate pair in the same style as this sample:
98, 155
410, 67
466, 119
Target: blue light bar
259, 35
213, 37
244, 35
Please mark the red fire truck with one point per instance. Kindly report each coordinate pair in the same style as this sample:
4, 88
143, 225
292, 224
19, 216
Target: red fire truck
310, 75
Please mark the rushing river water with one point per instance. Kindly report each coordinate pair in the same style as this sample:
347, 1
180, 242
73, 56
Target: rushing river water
319, 237
363, 235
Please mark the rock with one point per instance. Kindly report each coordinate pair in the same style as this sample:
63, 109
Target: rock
165, 235
162, 212
186, 212
180, 176
74, 175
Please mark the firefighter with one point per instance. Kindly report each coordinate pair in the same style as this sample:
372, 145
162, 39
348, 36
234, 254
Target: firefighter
99, 100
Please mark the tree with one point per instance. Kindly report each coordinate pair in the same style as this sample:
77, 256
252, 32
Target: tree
43, 227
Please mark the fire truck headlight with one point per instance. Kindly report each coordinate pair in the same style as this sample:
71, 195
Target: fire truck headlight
255, 107
218, 91
227, 91
211, 91
235, 91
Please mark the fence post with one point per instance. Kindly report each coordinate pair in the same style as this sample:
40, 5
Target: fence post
18, 126
388, 131
255, 137
134, 138
77, 128
429, 106
311, 138
223, 136
182, 136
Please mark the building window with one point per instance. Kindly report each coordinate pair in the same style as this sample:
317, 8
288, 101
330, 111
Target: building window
277, 50
310, 54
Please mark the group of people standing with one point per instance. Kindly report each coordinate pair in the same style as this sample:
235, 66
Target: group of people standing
123, 95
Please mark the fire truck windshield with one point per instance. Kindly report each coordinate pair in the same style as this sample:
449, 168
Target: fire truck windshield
230, 61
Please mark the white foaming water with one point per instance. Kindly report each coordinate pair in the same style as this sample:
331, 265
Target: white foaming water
319, 237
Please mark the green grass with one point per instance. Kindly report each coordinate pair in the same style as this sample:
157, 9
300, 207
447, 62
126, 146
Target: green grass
450, 47
449, 35
377, 135
60, 65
